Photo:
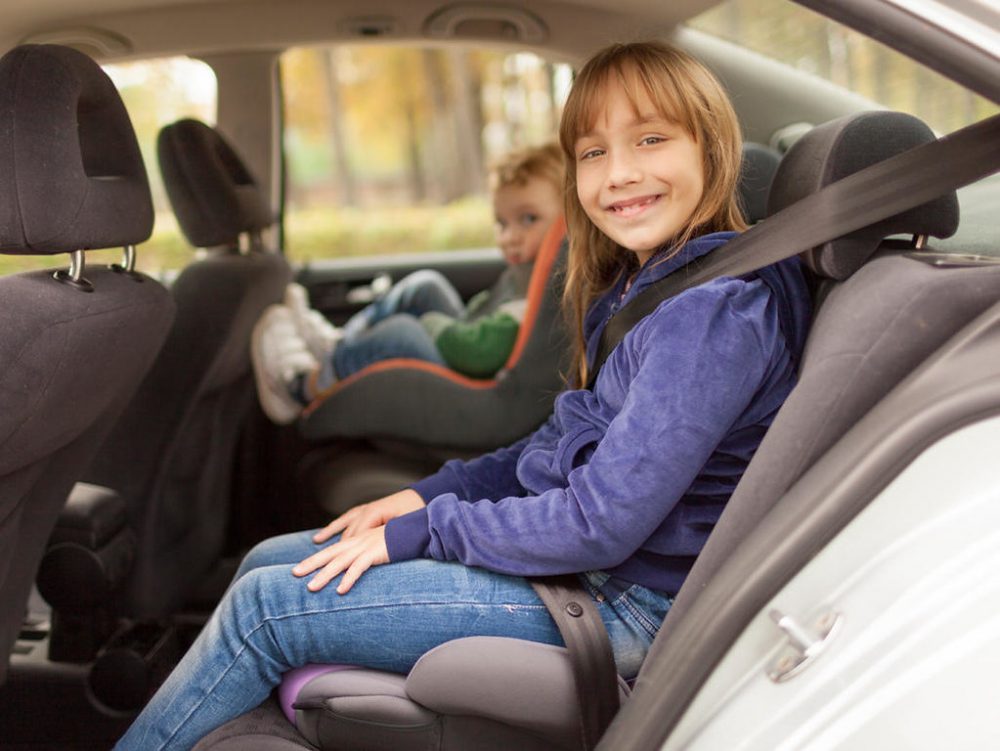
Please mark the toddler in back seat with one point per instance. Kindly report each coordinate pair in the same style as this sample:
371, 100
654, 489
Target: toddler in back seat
298, 354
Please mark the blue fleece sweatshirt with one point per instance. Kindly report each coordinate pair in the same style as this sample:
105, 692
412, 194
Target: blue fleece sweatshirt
631, 477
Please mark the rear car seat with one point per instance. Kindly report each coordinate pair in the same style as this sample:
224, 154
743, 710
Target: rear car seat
878, 321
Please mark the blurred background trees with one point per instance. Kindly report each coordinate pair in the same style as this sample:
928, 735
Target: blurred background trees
389, 147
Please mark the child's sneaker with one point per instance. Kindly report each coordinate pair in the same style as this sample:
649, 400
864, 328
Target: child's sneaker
320, 335
280, 356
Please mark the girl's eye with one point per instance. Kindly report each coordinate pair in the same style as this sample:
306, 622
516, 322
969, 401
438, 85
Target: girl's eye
651, 140
500, 224
590, 154
528, 219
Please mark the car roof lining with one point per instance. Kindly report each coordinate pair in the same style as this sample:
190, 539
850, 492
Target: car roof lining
157, 27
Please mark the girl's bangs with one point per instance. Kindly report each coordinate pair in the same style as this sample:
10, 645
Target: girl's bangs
641, 81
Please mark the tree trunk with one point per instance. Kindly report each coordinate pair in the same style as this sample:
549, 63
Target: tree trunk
468, 123
347, 186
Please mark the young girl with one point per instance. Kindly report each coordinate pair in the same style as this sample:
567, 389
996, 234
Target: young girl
297, 354
621, 485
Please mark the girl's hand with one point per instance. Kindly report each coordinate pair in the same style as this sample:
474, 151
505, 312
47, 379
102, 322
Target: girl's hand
371, 515
355, 556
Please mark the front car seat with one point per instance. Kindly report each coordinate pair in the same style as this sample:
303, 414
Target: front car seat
181, 429
74, 346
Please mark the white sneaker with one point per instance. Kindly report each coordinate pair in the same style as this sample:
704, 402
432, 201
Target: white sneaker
279, 354
320, 335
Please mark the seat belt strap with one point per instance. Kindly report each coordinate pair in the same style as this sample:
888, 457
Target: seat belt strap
589, 649
859, 200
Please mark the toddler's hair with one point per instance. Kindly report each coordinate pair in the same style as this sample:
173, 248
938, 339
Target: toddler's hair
517, 167
682, 90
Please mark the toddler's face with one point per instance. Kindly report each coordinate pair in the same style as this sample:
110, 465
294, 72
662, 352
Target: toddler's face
523, 215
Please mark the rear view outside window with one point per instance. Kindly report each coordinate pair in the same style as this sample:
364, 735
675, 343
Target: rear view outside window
802, 39
388, 149
156, 93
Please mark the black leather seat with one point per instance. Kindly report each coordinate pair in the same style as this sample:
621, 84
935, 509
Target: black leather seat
180, 431
73, 348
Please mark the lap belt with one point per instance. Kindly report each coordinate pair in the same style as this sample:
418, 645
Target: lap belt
859, 200
589, 652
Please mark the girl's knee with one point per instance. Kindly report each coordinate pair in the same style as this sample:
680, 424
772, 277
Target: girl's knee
274, 551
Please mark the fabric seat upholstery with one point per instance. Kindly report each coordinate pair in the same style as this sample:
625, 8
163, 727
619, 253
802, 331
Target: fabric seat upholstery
71, 354
182, 427
873, 328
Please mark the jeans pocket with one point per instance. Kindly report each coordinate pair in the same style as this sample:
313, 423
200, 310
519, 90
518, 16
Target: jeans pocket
646, 607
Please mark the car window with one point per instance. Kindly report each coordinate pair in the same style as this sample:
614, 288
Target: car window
798, 37
156, 93
388, 148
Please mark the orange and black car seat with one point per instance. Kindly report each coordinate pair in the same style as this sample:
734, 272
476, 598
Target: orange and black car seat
432, 405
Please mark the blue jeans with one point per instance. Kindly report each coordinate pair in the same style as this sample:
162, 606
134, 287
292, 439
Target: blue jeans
400, 335
415, 294
269, 623
389, 327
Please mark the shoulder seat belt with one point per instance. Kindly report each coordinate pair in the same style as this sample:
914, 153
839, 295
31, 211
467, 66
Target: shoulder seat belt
861, 199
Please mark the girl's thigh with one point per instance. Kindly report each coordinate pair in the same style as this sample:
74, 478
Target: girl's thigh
392, 616
286, 550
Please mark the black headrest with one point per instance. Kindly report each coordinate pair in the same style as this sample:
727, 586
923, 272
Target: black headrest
760, 165
842, 147
71, 174
215, 198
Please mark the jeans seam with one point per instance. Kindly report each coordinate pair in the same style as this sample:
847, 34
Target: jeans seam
644, 620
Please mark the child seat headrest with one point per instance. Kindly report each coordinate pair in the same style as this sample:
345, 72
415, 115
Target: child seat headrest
840, 148
71, 173
213, 194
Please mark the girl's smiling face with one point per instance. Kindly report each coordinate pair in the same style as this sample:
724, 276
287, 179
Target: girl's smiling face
639, 176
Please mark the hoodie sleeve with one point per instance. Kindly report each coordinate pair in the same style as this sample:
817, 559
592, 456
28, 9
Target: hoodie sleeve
687, 372
492, 475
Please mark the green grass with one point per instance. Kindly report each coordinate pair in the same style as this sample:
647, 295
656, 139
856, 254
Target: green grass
314, 234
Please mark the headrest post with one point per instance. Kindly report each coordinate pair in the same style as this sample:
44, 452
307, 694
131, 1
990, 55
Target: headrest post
74, 276
256, 240
127, 266
919, 242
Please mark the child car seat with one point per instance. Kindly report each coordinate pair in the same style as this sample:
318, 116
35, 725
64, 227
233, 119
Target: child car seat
430, 404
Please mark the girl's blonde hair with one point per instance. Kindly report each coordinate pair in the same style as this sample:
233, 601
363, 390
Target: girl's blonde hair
517, 167
683, 91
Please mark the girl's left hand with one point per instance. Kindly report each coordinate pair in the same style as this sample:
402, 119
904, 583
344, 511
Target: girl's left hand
355, 555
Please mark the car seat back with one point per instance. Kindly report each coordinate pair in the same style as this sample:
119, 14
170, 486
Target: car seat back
875, 325
74, 345
181, 429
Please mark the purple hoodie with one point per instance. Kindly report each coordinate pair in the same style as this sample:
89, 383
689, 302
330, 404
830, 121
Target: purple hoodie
631, 477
